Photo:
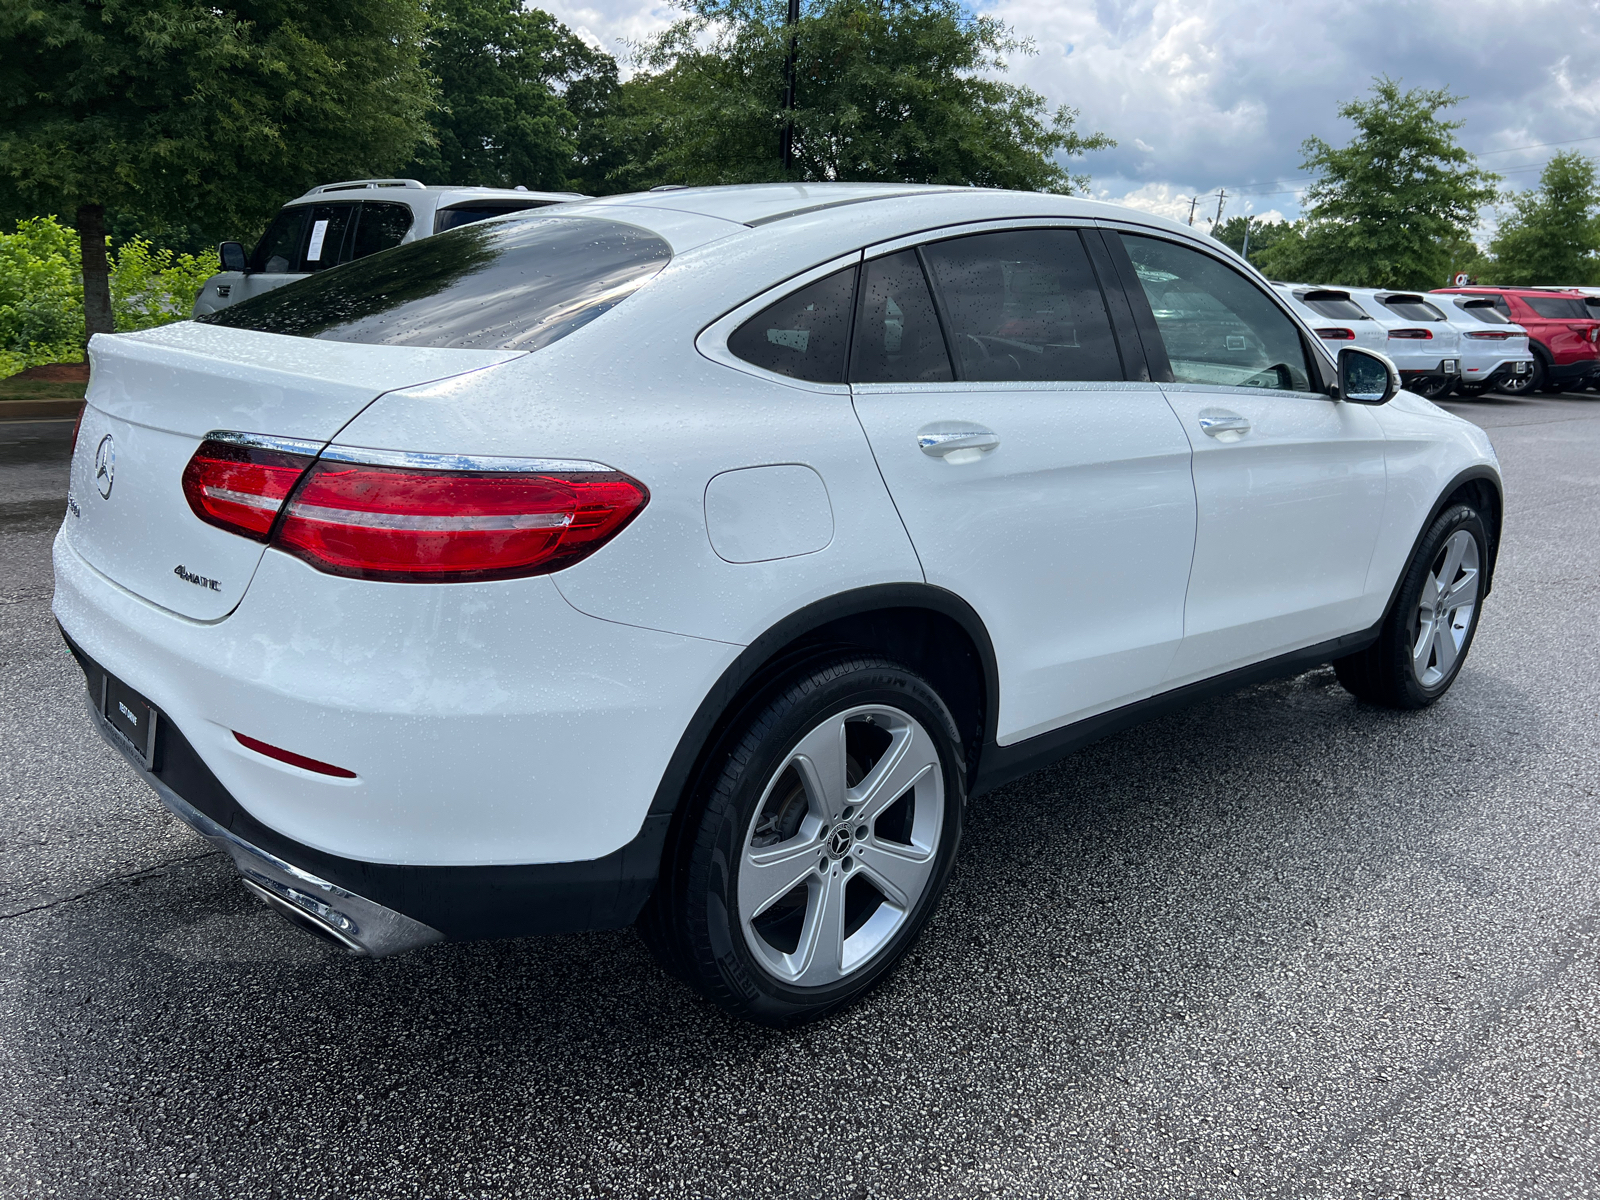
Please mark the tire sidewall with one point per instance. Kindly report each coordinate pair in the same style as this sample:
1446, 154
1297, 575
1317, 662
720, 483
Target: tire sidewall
1398, 635
712, 916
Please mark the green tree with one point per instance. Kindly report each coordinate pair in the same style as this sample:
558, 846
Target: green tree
518, 95
892, 90
181, 111
1552, 233
1384, 208
1264, 235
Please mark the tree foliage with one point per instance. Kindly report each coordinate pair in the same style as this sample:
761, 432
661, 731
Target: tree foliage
184, 111
1551, 234
890, 90
1264, 235
519, 96
1384, 208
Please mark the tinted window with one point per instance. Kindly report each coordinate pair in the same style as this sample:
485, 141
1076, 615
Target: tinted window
1482, 310
515, 285
1559, 308
1412, 309
278, 251
897, 338
379, 227
804, 335
1023, 304
465, 214
1338, 310
1217, 326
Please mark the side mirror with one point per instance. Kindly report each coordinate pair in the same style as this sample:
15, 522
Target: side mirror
231, 256
1366, 377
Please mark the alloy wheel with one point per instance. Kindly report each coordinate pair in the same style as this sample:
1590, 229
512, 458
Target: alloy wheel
842, 845
1444, 609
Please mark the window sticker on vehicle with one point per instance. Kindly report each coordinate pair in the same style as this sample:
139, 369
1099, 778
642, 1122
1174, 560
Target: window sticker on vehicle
319, 232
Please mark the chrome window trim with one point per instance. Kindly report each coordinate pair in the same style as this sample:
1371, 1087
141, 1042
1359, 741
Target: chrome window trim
712, 341
967, 228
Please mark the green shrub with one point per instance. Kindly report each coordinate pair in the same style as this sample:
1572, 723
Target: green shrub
41, 291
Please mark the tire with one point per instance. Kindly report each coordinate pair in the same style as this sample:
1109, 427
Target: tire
1433, 387
1533, 381
1422, 644
869, 840
1471, 389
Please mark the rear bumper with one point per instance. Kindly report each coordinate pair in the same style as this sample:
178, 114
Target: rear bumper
378, 908
1573, 371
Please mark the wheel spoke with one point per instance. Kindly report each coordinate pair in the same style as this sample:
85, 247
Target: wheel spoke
1465, 591
769, 875
819, 958
820, 758
1426, 631
1444, 642
911, 757
1454, 551
899, 872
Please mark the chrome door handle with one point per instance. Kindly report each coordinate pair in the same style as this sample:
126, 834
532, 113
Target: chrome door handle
1227, 426
956, 441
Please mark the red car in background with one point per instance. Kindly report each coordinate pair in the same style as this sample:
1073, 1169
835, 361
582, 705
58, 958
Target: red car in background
1563, 332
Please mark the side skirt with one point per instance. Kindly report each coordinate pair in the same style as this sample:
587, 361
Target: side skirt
1002, 764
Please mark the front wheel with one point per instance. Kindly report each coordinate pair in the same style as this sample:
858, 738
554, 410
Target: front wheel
1426, 636
811, 862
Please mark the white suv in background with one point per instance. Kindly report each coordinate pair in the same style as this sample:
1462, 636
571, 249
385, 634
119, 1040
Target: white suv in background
1494, 349
1418, 336
340, 222
1334, 317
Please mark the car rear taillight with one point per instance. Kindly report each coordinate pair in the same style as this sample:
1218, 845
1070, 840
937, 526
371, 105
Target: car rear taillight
238, 482
1420, 335
1336, 334
410, 522
1488, 335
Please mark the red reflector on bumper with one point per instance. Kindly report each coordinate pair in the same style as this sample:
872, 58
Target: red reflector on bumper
293, 759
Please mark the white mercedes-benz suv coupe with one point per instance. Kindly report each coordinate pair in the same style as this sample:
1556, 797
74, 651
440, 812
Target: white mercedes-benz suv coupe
693, 558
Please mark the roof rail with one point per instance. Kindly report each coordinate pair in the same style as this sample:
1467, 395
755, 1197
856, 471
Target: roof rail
352, 184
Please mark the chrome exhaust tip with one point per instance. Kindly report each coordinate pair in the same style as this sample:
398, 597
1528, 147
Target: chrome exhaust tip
307, 913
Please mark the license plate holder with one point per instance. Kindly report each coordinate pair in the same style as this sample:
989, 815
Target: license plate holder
130, 716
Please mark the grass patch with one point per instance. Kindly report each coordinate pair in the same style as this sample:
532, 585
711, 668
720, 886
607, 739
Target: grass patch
39, 389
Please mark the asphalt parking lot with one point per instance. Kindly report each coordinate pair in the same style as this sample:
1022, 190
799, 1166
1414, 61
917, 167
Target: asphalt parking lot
1280, 945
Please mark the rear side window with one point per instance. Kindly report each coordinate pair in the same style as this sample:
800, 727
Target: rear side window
1412, 309
380, 227
897, 338
515, 285
466, 214
805, 335
1337, 310
1023, 305
1559, 308
1217, 326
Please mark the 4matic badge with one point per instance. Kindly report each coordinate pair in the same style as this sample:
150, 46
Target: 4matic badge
198, 580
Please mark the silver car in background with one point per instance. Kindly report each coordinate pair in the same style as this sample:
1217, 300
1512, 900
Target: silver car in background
340, 222
1494, 349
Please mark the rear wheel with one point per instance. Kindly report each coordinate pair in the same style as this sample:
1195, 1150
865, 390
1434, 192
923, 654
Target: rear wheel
1533, 381
1426, 636
1432, 387
1471, 389
810, 864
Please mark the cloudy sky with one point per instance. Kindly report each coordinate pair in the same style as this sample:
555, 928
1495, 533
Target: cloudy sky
1203, 95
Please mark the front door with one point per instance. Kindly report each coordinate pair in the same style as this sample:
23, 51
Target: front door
1289, 482
1033, 481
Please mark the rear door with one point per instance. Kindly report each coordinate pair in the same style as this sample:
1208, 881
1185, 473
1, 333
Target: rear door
1035, 479
1289, 482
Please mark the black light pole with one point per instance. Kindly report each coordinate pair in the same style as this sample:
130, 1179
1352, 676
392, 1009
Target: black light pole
788, 92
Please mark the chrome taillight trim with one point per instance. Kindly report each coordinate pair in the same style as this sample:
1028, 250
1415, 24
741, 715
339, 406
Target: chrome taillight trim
417, 460
264, 441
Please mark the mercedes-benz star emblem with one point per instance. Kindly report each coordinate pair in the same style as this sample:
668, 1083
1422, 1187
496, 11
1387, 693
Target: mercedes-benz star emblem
105, 465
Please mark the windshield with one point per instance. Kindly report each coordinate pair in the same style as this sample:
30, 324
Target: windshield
1412, 308
515, 284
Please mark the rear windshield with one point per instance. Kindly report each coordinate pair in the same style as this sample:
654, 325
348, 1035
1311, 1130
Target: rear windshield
458, 215
1412, 310
500, 285
1560, 308
1338, 310
1482, 310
